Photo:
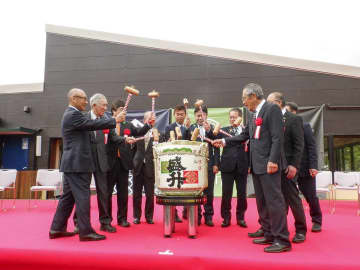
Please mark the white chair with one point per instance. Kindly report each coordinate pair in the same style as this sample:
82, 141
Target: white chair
46, 180
8, 181
324, 185
348, 181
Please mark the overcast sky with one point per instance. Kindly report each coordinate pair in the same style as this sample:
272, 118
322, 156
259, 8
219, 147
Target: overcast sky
318, 30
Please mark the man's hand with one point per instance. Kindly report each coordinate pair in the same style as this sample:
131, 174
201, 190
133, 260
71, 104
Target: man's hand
120, 116
207, 126
187, 122
272, 167
291, 172
130, 140
218, 143
313, 172
152, 120
215, 169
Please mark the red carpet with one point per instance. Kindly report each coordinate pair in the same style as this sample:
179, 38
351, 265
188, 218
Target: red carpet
24, 244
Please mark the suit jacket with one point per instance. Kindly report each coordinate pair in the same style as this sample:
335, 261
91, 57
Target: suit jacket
309, 158
99, 149
144, 157
126, 150
75, 129
214, 153
269, 146
233, 156
171, 127
293, 139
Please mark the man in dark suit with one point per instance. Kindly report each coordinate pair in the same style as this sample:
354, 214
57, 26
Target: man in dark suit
144, 175
121, 162
265, 132
78, 164
99, 140
293, 147
308, 171
234, 166
206, 130
183, 122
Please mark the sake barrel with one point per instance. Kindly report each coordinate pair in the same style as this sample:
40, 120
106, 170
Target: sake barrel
181, 168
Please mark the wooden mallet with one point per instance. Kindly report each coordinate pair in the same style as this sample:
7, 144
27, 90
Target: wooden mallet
238, 121
195, 134
218, 130
172, 135
153, 95
186, 103
131, 91
178, 133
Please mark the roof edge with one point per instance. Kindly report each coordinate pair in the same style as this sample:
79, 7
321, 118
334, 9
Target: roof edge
256, 58
21, 88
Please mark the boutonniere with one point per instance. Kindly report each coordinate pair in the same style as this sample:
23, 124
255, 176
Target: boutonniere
127, 132
258, 123
106, 134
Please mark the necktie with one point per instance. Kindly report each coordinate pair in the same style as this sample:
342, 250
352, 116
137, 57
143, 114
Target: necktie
118, 133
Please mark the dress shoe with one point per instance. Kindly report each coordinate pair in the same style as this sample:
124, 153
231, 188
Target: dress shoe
58, 234
149, 221
277, 248
124, 223
263, 241
225, 223
258, 233
107, 228
177, 219
209, 222
241, 223
299, 238
76, 230
316, 227
136, 221
92, 237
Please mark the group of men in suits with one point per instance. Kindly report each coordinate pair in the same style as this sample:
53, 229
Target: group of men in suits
94, 144
276, 139
233, 164
270, 146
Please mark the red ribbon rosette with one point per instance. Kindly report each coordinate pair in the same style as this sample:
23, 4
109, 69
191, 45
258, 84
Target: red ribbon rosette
106, 134
258, 123
127, 132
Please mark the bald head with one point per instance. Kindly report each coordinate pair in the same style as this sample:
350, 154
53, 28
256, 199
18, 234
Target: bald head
77, 98
277, 98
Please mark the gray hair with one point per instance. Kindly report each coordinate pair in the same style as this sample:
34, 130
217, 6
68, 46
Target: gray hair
147, 115
95, 99
253, 89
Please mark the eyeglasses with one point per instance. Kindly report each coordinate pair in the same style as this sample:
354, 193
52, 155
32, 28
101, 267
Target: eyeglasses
84, 98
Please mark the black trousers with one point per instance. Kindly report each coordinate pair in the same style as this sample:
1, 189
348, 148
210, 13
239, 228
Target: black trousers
141, 181
271, 207
103, 200
307, 186
209, 193
228, 179
119, 176
76, 191
293, 200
